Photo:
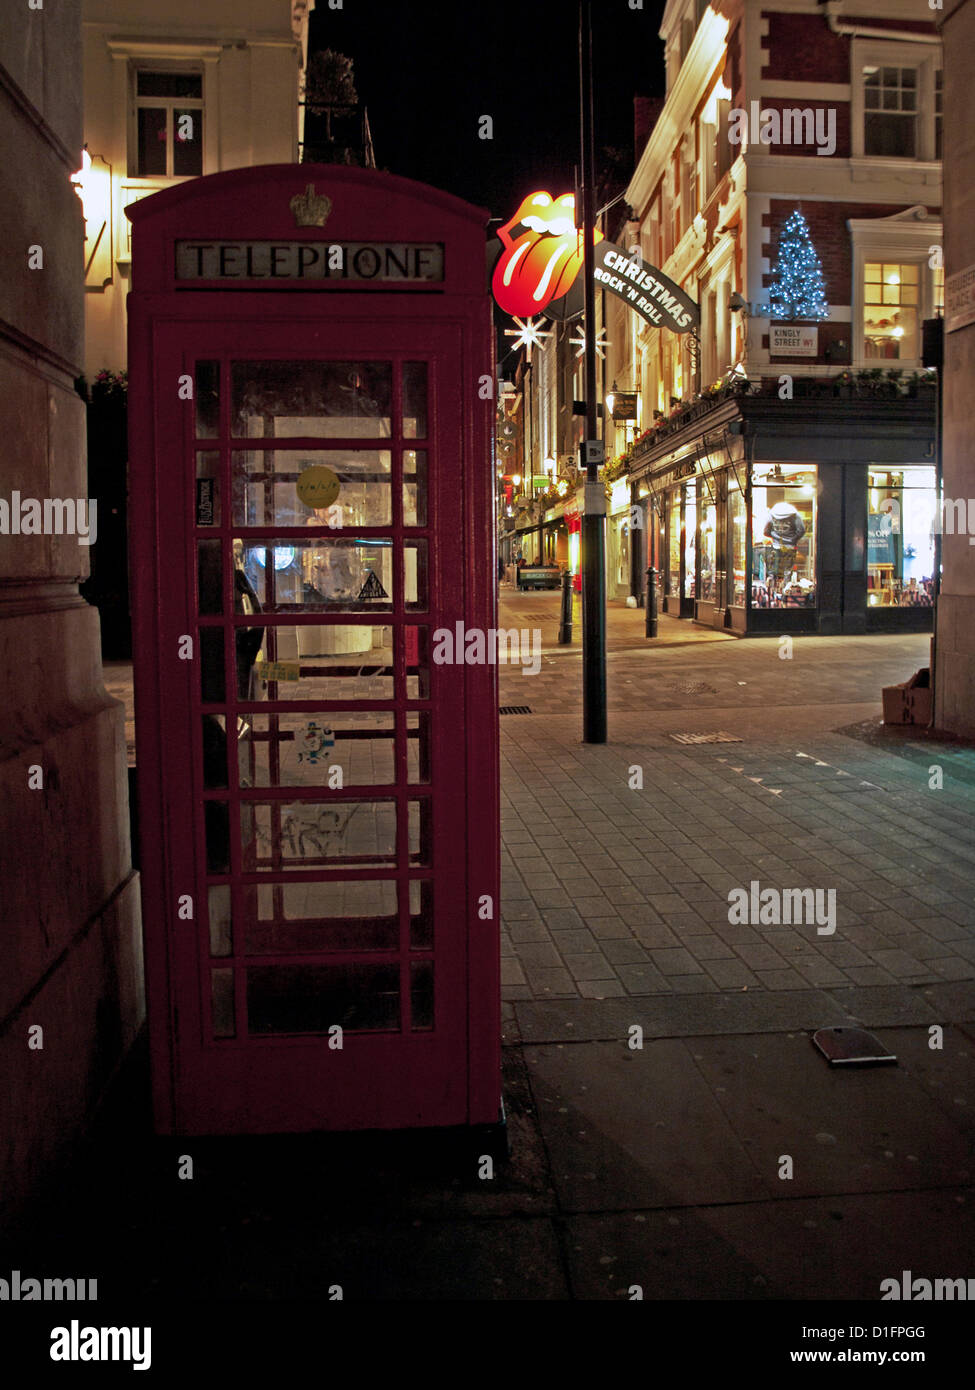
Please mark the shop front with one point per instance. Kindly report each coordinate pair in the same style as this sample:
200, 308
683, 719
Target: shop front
618, 543
694, 547
758, 535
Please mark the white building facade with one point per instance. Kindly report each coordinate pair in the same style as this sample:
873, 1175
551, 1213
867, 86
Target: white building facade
175, 90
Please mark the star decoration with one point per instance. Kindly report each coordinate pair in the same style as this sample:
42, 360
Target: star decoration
578, 340
528, 334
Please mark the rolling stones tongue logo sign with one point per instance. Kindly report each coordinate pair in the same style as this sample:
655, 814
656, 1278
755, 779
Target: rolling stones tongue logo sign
543, 254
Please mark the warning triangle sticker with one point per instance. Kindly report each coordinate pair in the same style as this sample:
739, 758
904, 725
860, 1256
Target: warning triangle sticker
372, 588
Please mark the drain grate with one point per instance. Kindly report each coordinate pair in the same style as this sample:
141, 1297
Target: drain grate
693, 688
515, 709
719, 737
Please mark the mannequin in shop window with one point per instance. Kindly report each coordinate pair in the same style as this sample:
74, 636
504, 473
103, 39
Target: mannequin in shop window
785, 528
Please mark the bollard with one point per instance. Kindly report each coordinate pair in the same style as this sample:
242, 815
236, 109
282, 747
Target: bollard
651, 621
565, 623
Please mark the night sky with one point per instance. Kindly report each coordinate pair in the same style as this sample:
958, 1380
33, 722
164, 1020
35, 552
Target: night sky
427, 70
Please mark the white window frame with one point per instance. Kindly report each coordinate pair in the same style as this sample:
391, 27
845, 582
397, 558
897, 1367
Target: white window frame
161, 55
890, 241
170, 106
926, 59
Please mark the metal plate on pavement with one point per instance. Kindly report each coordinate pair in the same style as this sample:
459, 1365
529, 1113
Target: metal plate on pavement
852, 1047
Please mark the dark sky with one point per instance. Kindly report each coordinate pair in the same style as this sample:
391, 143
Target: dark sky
427, 70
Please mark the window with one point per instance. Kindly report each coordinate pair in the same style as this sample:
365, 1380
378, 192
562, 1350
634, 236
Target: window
736, 520
890, 311
890, 111
690, 539
784, 536
709, 155
901, 512
938, 111
716, 155
896, 100
650, 239
168, 124
708, 560
673, 543
688, 183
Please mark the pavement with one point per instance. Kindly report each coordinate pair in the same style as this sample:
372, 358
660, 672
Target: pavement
673, 1132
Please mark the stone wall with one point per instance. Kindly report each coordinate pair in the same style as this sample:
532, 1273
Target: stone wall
955, 631
71, 934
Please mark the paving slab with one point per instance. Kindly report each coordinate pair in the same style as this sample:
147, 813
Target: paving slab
842, 1247
954, 1002
635, 1128
665, 1254
886, 1006
848, 1129
944, 1065
665, 1015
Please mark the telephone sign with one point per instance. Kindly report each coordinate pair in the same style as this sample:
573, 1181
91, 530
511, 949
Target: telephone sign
311, 479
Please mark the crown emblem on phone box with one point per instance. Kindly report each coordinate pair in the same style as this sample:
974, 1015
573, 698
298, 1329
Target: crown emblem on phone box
310, 209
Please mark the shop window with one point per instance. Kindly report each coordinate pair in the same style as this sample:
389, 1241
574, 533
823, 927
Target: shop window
736, 520
673, 543
901, 512
168, 124
690, 539
890, 311
708, 552
623, 553
784, 537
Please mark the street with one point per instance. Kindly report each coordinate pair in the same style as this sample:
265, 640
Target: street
658, 1062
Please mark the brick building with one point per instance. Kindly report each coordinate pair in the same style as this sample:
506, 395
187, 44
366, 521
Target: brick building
785, 456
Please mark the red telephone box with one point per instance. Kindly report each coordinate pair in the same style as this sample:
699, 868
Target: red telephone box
311, 373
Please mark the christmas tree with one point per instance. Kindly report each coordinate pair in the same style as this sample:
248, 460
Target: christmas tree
798, 290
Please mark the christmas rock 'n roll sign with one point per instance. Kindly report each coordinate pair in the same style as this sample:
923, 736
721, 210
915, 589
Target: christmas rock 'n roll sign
543, 255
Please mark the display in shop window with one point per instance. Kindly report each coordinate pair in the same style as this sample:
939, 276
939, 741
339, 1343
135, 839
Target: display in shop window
783, 538
901, 517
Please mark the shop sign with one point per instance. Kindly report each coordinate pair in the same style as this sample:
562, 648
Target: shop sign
793, 340
960, 299
543, 254
624, 405
330, 262
880, 539
645, 288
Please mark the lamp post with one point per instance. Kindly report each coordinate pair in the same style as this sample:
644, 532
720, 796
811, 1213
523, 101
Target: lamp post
594, 510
